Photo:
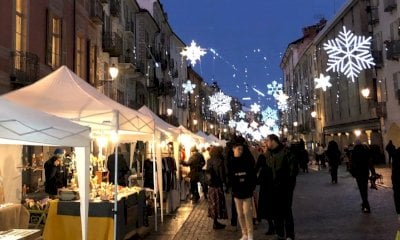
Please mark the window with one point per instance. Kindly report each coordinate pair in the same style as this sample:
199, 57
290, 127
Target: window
53, 50
93, 63
20, 30
80, 57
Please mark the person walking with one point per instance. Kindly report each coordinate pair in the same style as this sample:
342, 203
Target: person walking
196, 163
282, 167
361, 165
264, 179
391, 149
215, 179
396, 181
333, 155
123, 169
243, 182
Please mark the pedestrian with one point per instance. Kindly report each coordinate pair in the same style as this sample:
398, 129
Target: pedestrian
282, 167
361, 165
196, 162
264, 180
243, 182
54, 173
333, 155
391, 149
215, 176
123, 169
396, 181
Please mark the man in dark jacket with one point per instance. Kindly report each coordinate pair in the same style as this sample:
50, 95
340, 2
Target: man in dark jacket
54, 173
361, 165
123, 169
280, 172
196, 163
391, 149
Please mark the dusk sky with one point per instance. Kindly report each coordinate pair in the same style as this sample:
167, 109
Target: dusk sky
249, 38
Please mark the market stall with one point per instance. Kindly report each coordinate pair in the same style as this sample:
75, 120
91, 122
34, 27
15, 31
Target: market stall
20, 125
83, 104
166, 133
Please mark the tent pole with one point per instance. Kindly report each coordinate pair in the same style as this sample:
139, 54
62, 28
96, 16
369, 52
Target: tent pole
115, 190
155, 183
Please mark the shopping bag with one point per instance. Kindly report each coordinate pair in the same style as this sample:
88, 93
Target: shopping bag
397, 235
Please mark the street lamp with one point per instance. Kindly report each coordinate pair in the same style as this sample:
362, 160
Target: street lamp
365, 92
313, 114
169, 111
113, 70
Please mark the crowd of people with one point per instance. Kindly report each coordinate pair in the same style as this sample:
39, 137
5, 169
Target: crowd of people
261, 180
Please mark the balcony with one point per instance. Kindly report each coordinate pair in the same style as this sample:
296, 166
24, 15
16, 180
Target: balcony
96, 12
115, 8
378, 58
393, 50
389, 5
112, 43
25, 68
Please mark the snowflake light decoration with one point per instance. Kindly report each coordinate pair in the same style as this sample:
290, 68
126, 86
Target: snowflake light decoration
257, 135
274, 88
241, 114
264, 130
349, 54
268, 114
193, 53
322, 82
254, 124
255, 108
242, 126
282, 101
188, 86
232, 123
220, 103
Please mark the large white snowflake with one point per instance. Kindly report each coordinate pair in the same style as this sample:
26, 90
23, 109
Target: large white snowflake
193, 53
349, 54
255, 108
264, 130
268, 114
274, 88
220, 103
322, 82
188, 86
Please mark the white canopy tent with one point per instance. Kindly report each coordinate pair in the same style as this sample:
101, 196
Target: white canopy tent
64, 94
22, 125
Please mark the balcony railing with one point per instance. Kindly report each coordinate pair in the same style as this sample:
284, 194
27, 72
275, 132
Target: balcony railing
393, 50
115, 8
25, 67
389, 5
378, 58
112, 43
96, 11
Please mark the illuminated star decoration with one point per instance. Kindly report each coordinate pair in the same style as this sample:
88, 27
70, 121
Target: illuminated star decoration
188, 87
255, 108
349, 54
322, 82
193, 53
220, 103
241, 114
274, 88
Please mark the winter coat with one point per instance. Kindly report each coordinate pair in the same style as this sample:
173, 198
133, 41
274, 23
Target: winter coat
216, 171
123, 169
242, 176
196, 163
55, 176
361, 162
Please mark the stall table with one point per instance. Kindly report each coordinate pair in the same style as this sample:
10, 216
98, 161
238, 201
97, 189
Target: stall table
64, 222
13, 216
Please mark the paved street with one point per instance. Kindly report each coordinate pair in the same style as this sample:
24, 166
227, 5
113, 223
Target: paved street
321, 210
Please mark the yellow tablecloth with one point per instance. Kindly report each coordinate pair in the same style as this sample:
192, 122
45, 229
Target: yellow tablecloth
63, 227
13, 216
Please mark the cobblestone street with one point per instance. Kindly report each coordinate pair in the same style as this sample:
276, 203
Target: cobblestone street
321, 211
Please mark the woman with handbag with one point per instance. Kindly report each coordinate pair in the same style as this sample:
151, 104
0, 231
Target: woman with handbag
215, 179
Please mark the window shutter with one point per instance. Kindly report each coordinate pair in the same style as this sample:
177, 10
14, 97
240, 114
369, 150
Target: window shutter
48, 38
